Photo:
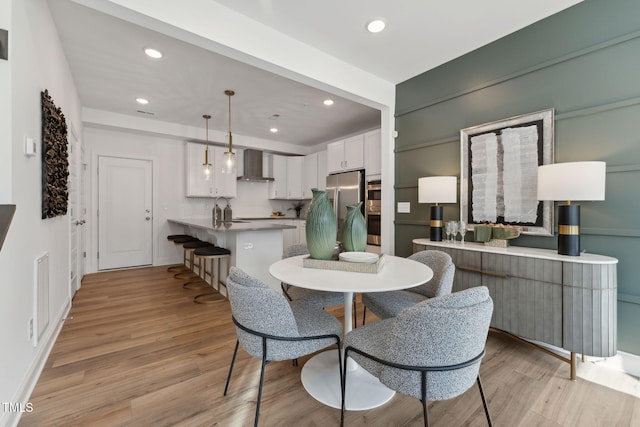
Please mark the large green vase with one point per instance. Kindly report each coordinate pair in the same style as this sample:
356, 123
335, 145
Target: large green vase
321, 226
354, 233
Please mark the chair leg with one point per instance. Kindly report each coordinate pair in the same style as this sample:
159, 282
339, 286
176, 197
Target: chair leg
264, 364
484, 402
343, 376
364, 314
425, 414
355, 314
233, 359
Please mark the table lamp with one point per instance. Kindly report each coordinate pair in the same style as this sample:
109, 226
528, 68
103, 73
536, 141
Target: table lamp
437, 189
571, 181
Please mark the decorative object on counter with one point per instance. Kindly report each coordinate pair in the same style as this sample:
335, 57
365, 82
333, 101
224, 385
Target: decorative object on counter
206, 164
437, 189
321, 227
297, 206
55, 162
451, 228
229, 163
354, 233
217, 215
571, 181
277, 214
356, 267
496, 235
462, 229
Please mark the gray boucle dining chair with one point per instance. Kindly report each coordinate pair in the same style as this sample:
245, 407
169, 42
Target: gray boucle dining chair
431, 351
389, 304
271, 328
319, 298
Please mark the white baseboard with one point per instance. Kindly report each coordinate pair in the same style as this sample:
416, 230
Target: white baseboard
623, 362
23, 394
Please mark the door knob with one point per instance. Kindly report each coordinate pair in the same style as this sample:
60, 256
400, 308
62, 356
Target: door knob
148, 218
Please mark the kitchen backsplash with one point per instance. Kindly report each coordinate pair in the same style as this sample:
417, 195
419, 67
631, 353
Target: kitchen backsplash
252, 202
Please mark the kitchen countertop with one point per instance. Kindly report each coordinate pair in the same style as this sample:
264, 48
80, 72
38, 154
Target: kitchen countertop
260, 218
234, 226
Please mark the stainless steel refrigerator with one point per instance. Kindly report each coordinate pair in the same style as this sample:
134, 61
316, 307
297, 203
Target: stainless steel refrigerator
344, 189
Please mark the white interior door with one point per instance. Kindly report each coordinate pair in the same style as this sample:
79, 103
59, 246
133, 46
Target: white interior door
125, 220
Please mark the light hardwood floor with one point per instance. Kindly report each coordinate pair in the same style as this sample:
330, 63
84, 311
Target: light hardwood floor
136, 351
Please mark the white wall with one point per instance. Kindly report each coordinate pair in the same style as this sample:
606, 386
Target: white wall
36, 63
5, 110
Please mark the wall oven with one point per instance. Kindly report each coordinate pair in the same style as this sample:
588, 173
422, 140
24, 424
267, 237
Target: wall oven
373, 209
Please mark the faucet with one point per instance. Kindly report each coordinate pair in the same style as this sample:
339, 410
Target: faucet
218, 215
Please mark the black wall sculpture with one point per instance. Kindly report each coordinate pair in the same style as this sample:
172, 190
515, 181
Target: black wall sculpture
55, 162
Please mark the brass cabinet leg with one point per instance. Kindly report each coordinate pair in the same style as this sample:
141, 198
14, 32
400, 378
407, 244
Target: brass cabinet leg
573, 363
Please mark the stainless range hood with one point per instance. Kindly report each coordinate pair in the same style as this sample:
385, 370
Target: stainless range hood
253, 167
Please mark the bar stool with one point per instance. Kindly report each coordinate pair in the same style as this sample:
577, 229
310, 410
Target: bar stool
172, 238
215, 256
199, 281
188, 260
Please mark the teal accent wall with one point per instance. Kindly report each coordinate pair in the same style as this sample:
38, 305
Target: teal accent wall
585, 63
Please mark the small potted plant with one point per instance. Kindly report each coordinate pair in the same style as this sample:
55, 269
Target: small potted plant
297, 206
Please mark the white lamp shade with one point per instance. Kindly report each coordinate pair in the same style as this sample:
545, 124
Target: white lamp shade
437, 189
572, 181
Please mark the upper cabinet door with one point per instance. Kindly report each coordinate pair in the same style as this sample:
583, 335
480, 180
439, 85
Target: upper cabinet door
322, 170
372, 153
215, 184
309, 175
198, 183
294, 177
335, 156
278, 168
354, 153
346, 155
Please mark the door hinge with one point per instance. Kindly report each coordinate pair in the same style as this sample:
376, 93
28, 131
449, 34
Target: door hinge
98, 255
84, 254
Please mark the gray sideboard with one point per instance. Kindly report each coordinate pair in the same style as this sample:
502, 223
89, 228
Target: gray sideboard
567, 302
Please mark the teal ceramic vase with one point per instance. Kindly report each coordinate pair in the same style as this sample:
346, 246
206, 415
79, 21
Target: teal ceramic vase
321, 226
354, 233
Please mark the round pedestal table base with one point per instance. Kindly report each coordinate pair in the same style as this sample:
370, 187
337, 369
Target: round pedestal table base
321, 378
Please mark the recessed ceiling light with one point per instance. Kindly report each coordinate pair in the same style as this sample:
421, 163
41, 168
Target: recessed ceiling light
376, 25
273, 130
328, 102
142, 101
153, 53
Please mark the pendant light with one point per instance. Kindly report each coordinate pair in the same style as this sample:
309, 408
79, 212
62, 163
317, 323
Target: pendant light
229, 160
206, 164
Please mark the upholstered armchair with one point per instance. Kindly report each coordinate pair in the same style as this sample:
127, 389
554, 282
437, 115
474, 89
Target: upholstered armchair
431, 351
389, 304
271, 328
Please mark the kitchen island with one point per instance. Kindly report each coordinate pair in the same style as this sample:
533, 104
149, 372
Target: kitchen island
254, 245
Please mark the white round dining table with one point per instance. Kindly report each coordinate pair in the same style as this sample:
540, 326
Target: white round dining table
321, 374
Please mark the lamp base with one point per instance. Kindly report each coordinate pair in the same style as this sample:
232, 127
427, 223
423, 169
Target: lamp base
569, 230
435, 225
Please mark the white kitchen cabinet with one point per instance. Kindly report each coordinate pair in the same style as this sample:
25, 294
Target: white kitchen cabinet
294, 177
278, 187
372, 153
287, 177
322, 170
309, 175
346, 155
216, 184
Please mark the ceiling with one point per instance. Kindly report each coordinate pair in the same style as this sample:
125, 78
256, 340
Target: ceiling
110, 70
